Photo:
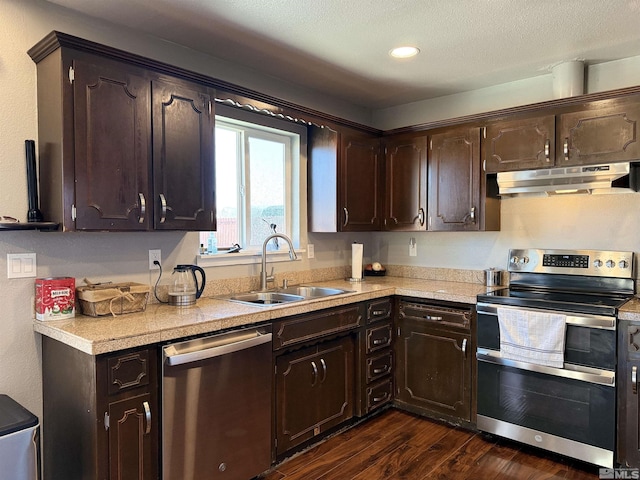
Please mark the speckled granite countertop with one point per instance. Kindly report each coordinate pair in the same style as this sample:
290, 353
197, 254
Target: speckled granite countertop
160, 323
630, 310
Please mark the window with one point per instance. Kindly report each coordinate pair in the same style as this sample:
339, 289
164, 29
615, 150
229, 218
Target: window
257, 179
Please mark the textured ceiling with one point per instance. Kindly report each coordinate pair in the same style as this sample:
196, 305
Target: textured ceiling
340, 47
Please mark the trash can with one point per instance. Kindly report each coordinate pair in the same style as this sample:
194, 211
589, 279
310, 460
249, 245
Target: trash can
19, 441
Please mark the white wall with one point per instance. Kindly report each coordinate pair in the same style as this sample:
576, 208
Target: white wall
600, 222
589, 222
598, 78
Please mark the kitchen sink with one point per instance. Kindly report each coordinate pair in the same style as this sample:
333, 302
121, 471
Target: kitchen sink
266, 298
312, 292
286, 295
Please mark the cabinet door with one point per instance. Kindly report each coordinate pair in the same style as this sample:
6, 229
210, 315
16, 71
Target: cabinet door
454, 180
607, 132
130, 441
406, 184
360, 169
314, 391
183, 156
112, 147
434, 370
520, 144
628, 380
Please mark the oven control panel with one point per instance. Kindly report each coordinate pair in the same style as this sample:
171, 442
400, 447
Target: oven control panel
602, 263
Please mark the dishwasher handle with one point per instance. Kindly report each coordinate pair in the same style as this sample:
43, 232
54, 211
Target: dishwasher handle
179, 356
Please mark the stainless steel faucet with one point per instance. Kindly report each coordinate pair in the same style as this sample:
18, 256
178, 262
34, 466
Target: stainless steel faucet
264, 278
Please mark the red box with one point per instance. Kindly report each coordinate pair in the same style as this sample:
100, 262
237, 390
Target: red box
55, 298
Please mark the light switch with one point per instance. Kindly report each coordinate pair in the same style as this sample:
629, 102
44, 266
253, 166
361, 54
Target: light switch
311, 251
21, 265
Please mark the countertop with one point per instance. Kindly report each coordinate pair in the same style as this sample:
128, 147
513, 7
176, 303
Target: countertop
161, 323
630, 310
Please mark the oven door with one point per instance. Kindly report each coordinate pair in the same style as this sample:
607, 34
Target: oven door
590, 339
568, 410
564, 411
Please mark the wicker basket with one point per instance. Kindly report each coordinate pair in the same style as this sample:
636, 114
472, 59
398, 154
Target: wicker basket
112, 298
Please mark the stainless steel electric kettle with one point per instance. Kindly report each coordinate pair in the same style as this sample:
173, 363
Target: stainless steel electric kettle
184, 288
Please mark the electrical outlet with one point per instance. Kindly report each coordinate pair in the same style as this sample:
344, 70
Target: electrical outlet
311, 252
21, 265
153, 256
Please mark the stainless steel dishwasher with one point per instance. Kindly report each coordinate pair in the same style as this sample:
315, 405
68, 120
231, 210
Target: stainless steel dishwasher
216, 406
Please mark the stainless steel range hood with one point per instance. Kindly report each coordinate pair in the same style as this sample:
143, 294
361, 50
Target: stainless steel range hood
609, 178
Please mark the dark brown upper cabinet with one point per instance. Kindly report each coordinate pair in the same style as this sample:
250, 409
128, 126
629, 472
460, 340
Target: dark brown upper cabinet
520, 144
454, 180
344, 181
603, 132
119, 147
406, 183
94, 136
183, 156
597, 132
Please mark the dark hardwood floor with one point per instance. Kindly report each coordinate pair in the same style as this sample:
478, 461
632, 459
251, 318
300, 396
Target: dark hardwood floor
399, 445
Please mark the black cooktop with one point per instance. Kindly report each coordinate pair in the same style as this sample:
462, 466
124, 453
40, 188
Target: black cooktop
586, 303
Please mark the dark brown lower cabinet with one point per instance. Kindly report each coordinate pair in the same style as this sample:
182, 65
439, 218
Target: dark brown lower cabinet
100, 413
434, 361
628, 444
375, 358
314, 391
129, 438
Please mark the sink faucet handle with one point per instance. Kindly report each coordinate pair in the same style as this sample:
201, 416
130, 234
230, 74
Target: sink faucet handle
285, 283
270, 277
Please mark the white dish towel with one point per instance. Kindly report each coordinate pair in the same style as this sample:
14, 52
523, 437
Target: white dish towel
532, 337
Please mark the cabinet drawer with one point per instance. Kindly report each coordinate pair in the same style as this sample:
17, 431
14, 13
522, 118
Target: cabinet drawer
319, 324
378, 338
378, 310
127, 371
436, 315
379, 394
379, 366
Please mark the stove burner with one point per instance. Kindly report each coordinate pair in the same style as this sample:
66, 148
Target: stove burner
558, 301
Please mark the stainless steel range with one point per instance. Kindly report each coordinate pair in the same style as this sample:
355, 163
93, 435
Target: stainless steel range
546, 350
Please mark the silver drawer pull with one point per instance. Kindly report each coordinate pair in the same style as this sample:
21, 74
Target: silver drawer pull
464, 347
143, 208
547, 150
434, 318
380, 341
163, 208
377, 313
147, 416
315, 374
634, 380
565, 149
382, 398
378, 371
324, 370
346, 216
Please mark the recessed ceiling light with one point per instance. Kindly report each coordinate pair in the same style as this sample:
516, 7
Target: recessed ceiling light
404, 52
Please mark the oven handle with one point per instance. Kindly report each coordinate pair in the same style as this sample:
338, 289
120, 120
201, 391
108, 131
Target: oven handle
575, 372
591, 321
